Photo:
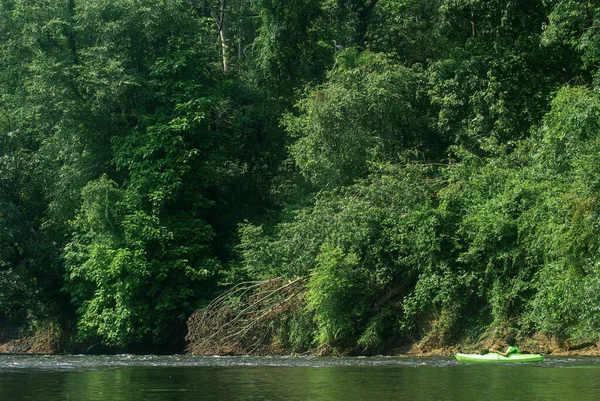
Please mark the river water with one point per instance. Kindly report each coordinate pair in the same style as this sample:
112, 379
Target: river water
185, 377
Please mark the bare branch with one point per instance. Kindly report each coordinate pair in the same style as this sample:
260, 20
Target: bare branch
241, 320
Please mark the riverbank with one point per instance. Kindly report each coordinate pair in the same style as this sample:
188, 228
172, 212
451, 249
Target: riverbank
44, 344
538, 344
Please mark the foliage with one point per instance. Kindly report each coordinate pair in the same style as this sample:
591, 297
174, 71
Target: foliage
567, 283
366, 112
408, 30
364, 247
335, 292
430, 167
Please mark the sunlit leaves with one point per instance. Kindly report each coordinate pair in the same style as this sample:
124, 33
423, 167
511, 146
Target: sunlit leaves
367, 112
335, 294
130, 276
359, 244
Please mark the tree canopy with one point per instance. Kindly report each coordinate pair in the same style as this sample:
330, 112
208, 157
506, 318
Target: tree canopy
429, 168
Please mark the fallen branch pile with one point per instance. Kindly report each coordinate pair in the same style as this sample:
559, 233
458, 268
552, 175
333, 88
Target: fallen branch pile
243, 319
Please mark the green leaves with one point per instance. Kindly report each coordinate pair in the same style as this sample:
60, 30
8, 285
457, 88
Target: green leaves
566, 220
336, 292
436, 176
131, 277
139, 255
366, 113
494, 58
363, 246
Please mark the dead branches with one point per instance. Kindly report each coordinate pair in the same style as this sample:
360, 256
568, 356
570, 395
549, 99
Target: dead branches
242, 320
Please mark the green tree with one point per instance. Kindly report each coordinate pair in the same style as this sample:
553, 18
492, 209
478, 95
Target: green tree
370, 110
563, 232
363, 246
493, 57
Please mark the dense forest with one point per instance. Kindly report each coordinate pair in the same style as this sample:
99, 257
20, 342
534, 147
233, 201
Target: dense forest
415, 170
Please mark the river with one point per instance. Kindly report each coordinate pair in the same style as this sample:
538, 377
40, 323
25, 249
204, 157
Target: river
186, 377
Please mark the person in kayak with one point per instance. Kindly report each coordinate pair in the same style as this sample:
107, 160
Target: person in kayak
512, 346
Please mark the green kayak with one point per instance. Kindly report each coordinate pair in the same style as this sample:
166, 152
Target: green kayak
492, 357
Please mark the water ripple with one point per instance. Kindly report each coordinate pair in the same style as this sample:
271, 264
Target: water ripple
58, 362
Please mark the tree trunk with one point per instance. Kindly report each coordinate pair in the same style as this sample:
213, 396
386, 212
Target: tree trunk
221, 20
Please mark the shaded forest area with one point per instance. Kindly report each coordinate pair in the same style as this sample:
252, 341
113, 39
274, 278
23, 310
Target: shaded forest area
350, 175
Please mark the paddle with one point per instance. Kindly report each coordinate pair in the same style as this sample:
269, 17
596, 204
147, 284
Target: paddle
485, 352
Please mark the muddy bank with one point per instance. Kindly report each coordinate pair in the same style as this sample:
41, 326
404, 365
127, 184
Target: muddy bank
46, 342
538, 344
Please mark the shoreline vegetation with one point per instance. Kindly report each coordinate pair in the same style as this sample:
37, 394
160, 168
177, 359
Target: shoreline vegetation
332, 177
249, 327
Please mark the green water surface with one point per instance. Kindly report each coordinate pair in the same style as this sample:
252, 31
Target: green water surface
182, 378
